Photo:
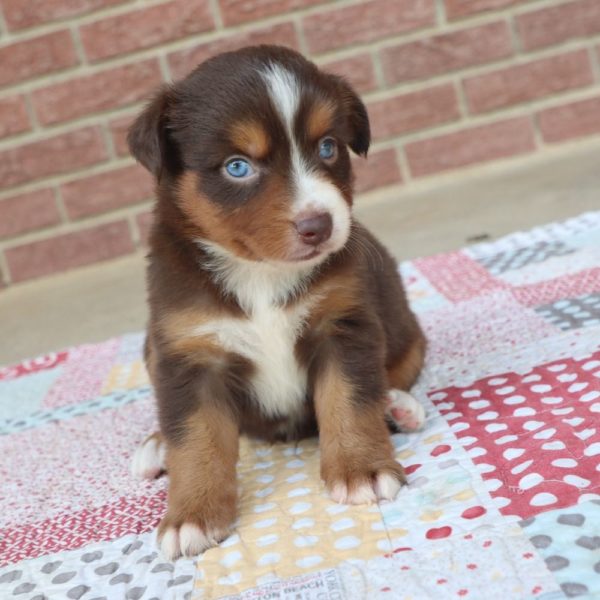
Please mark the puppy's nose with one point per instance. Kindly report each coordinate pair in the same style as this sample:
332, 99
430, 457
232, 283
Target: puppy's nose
315, 229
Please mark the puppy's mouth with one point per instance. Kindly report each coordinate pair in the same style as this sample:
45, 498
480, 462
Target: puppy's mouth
310, 254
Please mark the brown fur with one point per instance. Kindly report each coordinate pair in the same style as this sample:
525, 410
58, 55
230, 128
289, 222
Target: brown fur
359, 335
202, 479
251, 139
320, 119
353, 439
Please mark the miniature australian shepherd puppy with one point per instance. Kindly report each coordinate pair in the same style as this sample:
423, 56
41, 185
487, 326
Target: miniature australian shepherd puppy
273, 313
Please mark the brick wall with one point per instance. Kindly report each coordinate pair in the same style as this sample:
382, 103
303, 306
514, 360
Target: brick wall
448, 83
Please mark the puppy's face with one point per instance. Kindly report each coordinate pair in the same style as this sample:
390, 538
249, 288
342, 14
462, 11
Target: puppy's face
253, 150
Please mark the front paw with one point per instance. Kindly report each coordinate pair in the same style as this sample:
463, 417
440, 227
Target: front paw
189, 537
365, 484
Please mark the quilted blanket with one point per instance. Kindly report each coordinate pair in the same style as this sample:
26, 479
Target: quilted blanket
503, 494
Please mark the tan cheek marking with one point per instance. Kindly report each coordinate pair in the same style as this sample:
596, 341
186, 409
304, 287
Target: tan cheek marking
251, 139
264, 223
320, 119
206, 220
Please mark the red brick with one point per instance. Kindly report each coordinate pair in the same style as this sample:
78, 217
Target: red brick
69, 250
412, 111
377, 170
118, 130
58, 154
470, 146
183, 61
365, 22
38, 56
145, 28
108, 89
20, 14
243, 11
520, 83
455, 9
13, 116
572, 120
107, 191
357, 70
28, 212
440, 54
144, 222
556, 24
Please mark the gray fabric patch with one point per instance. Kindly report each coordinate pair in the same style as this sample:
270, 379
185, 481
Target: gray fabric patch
135, 593
10, 576
575, 519
555, 563
573, 589
78, 591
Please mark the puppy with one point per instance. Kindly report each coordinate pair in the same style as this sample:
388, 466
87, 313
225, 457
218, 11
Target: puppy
273, 313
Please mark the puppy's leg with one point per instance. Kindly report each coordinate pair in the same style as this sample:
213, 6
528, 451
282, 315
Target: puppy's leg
404, 411
202, 483
357, 461
148, 460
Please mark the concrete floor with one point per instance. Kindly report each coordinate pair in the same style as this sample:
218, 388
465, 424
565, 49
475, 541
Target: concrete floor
440, 214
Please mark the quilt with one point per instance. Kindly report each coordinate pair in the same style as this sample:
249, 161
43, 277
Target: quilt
503, 494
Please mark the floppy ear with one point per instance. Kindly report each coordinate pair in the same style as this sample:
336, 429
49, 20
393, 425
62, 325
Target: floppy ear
357, 119
146, 136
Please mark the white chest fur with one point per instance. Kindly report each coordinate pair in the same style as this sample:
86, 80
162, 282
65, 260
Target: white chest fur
267, 338
268, 333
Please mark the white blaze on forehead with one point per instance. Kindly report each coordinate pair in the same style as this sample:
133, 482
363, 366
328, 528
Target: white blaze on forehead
313, 192
285, 94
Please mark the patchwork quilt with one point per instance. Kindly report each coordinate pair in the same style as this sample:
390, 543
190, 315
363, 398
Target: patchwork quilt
503, 494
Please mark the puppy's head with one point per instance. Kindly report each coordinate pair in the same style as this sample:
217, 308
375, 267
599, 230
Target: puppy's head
252, 149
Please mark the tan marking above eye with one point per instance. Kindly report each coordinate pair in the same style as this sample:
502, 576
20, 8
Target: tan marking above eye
320, 119
250, 138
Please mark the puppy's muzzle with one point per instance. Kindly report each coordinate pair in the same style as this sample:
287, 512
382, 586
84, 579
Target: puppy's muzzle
315, 229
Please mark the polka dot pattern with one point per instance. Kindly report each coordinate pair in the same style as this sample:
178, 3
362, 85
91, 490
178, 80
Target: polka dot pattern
573, 313
569, 542
536, 435
288, 525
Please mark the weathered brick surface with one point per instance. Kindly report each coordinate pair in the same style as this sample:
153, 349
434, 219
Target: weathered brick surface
20, 14
440, 54
37, 56
242, 11
118, 131
366, 21
106, 191
13, 116
529, 81
555, 24
413, 111
357, 70
471, 146
143, 222
377, 170
27, 212
145, 27
111, 88
448, 84
573, 120
456, 9
66, 251
182, 62
57, 154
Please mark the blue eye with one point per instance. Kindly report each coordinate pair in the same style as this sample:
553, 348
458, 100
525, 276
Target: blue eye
239, 168
327, 149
